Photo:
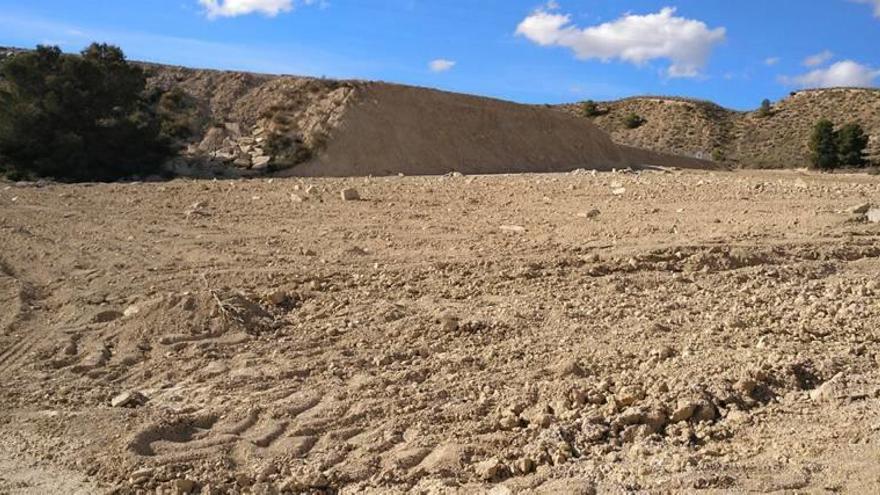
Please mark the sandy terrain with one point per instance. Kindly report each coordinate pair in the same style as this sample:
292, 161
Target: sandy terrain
662, 332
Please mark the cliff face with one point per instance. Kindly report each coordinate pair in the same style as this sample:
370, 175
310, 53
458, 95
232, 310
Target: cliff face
747, 139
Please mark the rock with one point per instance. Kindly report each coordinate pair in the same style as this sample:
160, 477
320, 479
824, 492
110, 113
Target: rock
107, 316
873, 215
830, 391
663, 352
296, 198
628, 396
233, 128
350, 194
684, 411
619, 191
630, 416
655, 420
705, 411
129, 399
184, 486
278, 297
447, 458
261, 162
860, 209
523, 466
490, 470
514, 229
568, 367
131, 311
449, 322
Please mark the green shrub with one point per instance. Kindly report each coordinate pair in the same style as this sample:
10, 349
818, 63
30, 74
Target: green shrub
851, 145
633, 121
589, 109
766, 109
823, 145
178, 114
76, 118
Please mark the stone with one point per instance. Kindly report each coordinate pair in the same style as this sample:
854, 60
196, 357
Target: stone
261, 162
449, 323
860, 209
569, 367
630, 416
350, 194
491, 469
129, 399
655, 420
619, 191
184, 486
278, 297
296, 198
523, 466
684, 411
705, 411
830, 391
873, 215
514, 229
628, 396
107, 316
663, 352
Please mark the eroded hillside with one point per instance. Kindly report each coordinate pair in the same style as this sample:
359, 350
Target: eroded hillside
748, 139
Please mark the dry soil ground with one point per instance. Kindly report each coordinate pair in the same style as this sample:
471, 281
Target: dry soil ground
662, 332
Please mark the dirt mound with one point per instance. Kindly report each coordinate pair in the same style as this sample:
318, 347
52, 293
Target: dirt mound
705, 130
397, 129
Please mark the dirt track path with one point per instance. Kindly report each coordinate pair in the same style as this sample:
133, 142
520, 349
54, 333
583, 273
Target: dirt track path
655, 332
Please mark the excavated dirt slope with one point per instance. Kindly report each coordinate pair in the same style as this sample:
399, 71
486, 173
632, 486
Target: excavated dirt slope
703, 129
650, 333
350, 128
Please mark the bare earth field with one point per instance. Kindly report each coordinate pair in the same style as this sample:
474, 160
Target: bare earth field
694, 332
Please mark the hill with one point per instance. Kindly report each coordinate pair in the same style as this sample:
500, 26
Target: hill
747, 139
306, 126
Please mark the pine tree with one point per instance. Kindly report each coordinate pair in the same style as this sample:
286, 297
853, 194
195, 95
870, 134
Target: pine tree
851, 144
766, 109
823, 145
75, 117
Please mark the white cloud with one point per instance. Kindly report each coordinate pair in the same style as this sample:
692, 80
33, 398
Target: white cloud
818, 58
441, 65
637, 39
846, 73
771, 61
875, 3
271, 8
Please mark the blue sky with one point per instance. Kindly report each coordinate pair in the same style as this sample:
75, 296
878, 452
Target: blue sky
732, 52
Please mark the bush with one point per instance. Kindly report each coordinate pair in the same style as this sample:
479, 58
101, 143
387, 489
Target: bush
851, 145
178, 113
766, 109
76, 117
633, 121
589, 108
823, 145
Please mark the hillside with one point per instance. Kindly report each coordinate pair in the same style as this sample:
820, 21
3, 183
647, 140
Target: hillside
704, 129
254, 124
